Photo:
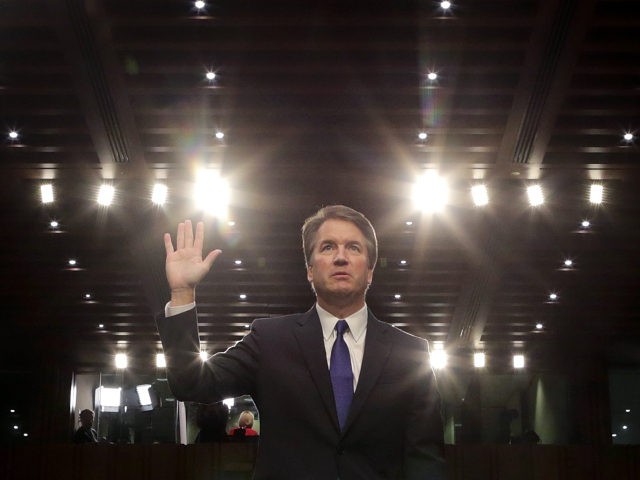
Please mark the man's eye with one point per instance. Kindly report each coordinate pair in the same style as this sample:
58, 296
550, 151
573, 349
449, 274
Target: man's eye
325, 248
355, 248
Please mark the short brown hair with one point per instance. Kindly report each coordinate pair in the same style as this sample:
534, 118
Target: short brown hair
339, 212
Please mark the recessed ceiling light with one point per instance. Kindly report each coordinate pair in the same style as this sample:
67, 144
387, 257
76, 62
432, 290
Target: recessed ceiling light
87, 296
596, 193
243, 296
219, 135
159, 194
54, 224
403, 263
105, 195
480, 195
553, 296
445, 5
432, 76
518, 361
585, 224
238, 262
628, 136
397, 296
536, 198
479, 360
408, 223
73, 262
46, 193
568, 262
13, 135
210, 75
101, 325
539, 326
199, 4
422, 135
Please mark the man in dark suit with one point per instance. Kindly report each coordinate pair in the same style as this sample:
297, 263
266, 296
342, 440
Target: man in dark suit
340, 394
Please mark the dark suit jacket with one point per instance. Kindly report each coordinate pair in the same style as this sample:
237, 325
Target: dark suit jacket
394, 429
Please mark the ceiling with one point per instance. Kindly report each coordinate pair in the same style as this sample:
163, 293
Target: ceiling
321, 102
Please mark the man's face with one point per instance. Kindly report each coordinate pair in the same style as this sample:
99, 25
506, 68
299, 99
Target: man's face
339, 268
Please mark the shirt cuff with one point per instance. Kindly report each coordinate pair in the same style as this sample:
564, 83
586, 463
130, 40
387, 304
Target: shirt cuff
170, 311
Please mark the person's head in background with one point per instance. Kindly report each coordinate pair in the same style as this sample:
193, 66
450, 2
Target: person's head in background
246, 419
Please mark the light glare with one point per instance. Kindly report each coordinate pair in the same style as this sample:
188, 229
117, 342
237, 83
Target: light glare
438, 357
161, 362
480, 195
46, 193
518, 361
105, 195
212, 193
121, 360
596, 193
479, 360
534, 192
203, 355
431, 192
159, 194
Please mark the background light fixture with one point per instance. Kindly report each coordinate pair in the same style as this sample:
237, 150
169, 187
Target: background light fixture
159, 194
518, 361
596, 193
122, 361
536, 198
430, 192
46, 193
438, 356
105, 195
480, 195
212, 193
479, 360
161, 362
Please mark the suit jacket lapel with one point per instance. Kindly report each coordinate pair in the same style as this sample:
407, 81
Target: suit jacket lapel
308, 333
376, 353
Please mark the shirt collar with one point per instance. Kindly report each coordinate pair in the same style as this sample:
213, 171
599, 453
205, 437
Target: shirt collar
357, 322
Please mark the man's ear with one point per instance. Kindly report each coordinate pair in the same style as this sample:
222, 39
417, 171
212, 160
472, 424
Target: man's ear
370, 276
309, 273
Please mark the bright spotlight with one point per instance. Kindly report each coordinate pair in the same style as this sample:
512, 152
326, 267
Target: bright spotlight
204, 355
121, 360
229, 402
159, 194
212, 193
210, 75
518, 361
446, 5
596, 193
479, 360
105, 195
161, 362
438, 357
430, 192
534, 192
46, 193
199, 4
480, 195
432, 76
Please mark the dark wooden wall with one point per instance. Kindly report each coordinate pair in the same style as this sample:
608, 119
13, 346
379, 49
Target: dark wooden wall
234, 461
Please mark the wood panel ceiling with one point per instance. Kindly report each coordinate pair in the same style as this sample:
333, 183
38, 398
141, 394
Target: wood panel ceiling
321, 102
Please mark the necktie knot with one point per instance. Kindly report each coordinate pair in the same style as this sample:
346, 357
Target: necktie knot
341, 327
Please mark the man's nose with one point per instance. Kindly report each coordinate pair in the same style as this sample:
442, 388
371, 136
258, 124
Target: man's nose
340, 257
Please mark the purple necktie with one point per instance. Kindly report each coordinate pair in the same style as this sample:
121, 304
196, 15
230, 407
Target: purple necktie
341, 374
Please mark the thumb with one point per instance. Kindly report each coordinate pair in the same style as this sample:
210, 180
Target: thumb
209, 259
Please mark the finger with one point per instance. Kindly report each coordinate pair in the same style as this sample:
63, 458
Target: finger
168, 245
199, 239
208, 261
180, 236
188, 234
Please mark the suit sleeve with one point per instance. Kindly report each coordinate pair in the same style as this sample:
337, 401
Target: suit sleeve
424, 435
228, 374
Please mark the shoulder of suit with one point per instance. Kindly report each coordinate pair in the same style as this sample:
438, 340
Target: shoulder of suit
401, 336
279, 321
